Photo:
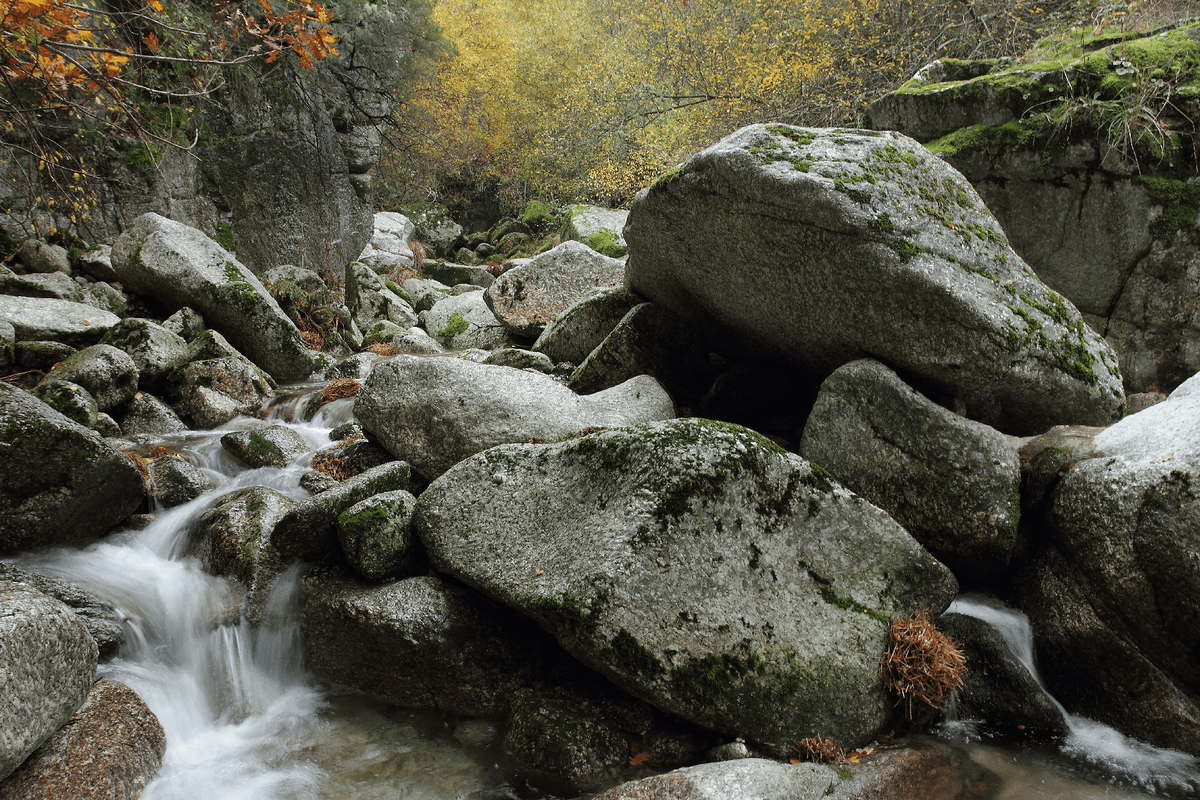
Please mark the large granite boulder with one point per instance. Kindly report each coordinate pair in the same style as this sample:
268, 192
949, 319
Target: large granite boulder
852, 244
698, 566
576, 332
109, 374
434, 412
155, 350
59, 481
464, 321
39, 319
49, 664
1115, 601
266, 446
388, 248
527, 298
954, 484
180, 266
597, 227
101, 620
110, 749
213, 391
726, 780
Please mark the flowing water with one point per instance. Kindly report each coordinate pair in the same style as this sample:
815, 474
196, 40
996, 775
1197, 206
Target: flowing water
245, 720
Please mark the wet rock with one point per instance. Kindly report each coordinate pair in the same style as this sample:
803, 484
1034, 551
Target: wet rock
309, 529
180, 266
214, 391
268, 446
747, 777
997, 688
49, 663
102, 621
419, 643
377, 539
40, 319
696, 565
952, 483
852, 244
528, 298
177, 481
110, 749
59, 481
434, 412
109, 374
580, 329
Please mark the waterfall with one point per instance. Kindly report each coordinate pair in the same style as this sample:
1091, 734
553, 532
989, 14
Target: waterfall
1106, 753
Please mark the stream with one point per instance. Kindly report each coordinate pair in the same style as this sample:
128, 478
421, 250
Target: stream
245, 719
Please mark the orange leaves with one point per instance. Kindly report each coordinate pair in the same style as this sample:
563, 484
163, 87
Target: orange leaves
303, 28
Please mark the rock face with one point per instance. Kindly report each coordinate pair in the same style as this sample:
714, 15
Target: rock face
59, 481
49, 664
434, 412
529, 297
1115, 600
180, 266
851, 244
696, 565
420, 643
109, 750
952, 483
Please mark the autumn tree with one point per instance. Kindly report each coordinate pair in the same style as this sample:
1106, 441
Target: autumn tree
81, 69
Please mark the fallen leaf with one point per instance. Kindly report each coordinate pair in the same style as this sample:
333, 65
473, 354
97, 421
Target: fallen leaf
639, 759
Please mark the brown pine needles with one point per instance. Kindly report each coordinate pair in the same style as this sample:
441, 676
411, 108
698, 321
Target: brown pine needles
821, 749
921, 665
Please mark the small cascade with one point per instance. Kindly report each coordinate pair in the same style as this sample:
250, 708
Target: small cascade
1097, 749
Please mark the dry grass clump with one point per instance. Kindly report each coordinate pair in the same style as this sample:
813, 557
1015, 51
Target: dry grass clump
821, 749
159, 451
921, 665
337, 389
418, 251
143, 468
313, 340
383, 349
327, 463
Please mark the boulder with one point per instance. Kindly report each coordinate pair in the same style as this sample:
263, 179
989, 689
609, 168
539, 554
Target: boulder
49, 663
725, 780
597, 227
148, 414
454, 274
40, 319
186, 322
59, 481
180, 266
97, 262
267, 446
376, 536
698, 566
419, 643
8, 340
155, 350
309, 529
388, 248
106, 297
102, 621
176, 481
1115, 603
434, 412
520, 359
378, 302
109, 374
41, 355
528, 298
69, 399
649, 340
576, 332
55, 285
852, 244
40, 257
214, 391
110, 749
952, 483
435, 229
463, 321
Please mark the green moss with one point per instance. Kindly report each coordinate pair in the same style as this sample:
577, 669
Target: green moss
800, 137
1180, 203
986, 140
633, 657
362, 521
223, 235
605, 243
668, 177
454, 326
143, 156
537, 215
707, 680
834, 599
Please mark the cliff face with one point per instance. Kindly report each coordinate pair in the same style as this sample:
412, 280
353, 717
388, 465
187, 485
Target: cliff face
1085, 153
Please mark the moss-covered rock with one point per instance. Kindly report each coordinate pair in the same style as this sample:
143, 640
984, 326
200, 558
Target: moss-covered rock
268, 446
698, 566
376, 536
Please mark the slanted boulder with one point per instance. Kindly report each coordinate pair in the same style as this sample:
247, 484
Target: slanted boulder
1115, 602
49, 663
180, 266
213, 391
69, 399
597, 227
698, 566
389, 248
464, 321
109, 374
376, 536
852, 244
576, 332
268, 446
954, 484
434, 412
39, 319
59, 481
111, 748
528, 298
177, 481
155, 350
102, 621
148, 414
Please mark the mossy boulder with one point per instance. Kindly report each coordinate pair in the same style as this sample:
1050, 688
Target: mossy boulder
155, 350
213, 391
954, 484
40, 319
852, 243
180, 266
59, 481
266, 446
69, 399
109, 374
458, 322
698, 566
597, 227
178, 481
376, 536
